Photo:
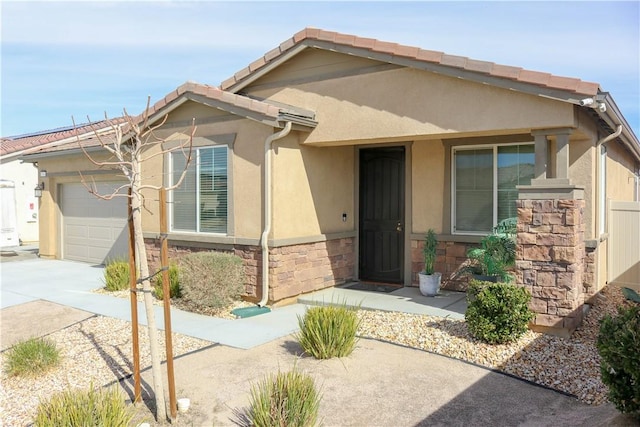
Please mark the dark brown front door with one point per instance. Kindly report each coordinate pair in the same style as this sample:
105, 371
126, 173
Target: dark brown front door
382, 214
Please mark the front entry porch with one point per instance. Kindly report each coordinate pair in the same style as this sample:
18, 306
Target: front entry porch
449, 304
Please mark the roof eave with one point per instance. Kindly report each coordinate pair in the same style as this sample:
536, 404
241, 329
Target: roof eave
276, 120
252, 76
614, 117
34, 157
245, 78
302, 121
99, 131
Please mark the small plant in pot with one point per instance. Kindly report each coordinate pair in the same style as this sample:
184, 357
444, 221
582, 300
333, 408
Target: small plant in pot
430, 280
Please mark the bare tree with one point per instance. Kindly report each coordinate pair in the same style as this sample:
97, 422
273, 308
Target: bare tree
132, 140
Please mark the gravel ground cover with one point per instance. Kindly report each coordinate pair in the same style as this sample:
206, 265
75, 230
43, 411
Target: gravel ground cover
570, 365
95, 351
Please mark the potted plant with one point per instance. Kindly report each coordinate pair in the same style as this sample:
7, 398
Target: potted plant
493, 259
430, 280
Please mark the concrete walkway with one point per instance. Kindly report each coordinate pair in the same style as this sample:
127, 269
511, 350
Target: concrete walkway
71, 284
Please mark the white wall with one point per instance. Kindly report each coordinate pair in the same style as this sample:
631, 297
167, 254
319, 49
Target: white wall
25, 178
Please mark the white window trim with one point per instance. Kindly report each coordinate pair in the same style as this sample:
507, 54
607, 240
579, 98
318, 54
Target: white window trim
494, 148
196, 151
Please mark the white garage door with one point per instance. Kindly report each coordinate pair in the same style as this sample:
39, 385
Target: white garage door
93, 230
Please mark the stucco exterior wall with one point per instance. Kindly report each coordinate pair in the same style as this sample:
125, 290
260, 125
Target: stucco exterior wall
245, 164
620, 177
312, 189
408, 104
582, 170
428, 177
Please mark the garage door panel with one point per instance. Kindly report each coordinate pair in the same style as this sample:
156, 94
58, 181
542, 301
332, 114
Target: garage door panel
98, 232
120, 248
75, 252
94, 230
75, 231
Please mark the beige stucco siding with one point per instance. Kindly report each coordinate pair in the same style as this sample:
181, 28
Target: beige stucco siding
428, 176
188, 110
312, 188
245, 139
582, 169
313, 64
409, 104
620, 177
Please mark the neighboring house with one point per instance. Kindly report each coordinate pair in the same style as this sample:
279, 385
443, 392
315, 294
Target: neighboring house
368, 144
19, 180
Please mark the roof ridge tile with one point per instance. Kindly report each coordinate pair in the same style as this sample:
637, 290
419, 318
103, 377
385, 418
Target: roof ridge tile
535, 77
454, 60
429, 55
506, 71
385, 47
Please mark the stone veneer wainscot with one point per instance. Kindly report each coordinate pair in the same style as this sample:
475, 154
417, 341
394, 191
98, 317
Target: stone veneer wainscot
293, 269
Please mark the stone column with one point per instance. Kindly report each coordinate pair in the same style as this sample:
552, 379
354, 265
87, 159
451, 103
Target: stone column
550, 247
549, 255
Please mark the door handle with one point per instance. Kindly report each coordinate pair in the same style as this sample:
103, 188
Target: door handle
399, 226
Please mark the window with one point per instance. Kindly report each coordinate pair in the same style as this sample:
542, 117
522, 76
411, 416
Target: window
484, 184
200, 203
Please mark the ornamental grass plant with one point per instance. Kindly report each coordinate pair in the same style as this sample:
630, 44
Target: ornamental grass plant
328, 331
32, 357
174, 284
285, 399
101, 407
116, 275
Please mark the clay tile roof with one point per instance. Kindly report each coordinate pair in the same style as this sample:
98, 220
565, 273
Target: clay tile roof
263, 108
310, 35
22, 143
87, 141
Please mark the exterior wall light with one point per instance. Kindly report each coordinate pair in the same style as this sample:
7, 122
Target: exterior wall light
37, 192
43, 173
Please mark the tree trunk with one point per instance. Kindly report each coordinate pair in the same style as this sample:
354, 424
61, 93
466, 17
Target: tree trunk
158, 387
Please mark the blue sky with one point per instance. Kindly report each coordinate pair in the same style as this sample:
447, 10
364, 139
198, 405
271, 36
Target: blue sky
60, 59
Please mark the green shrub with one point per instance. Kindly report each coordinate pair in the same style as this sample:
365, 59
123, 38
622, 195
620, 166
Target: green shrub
619, 347
116, 276
285, 399
495, 256
328, 331
174, 283
85, 408
211, 279
32, 357
497, 312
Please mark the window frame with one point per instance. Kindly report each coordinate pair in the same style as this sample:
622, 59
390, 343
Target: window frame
196, 160
453, 205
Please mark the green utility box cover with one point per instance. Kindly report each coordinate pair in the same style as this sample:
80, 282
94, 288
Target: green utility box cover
249, 311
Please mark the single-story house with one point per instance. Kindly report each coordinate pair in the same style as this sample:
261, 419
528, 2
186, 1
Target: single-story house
334, 154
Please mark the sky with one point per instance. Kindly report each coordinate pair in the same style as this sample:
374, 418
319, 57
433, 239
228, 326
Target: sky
78, 58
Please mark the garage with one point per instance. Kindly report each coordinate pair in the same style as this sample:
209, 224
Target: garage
93, 230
